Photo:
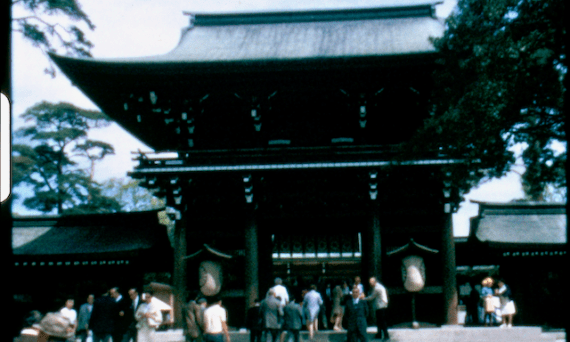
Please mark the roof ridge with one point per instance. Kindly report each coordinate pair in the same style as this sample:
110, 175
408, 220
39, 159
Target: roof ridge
422, 9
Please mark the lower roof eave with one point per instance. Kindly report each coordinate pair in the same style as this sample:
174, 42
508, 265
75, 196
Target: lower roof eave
172, 168
81, 70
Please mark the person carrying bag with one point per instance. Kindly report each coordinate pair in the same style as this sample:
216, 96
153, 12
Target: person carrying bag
55, 327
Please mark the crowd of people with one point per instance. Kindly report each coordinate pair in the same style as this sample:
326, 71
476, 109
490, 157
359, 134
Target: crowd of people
490, 303
281, 316
108, 317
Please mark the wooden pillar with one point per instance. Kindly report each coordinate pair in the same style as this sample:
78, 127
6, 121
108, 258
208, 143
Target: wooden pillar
373, 238
251, 261
449, 269
265, 258
374, 246
180, 267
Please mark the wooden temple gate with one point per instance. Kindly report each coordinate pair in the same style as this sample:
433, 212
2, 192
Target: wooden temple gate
289, 124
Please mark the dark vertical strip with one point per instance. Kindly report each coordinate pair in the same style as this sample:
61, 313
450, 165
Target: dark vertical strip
180, 269
372, 244
449, 269
265, 260
251, 262
6, 206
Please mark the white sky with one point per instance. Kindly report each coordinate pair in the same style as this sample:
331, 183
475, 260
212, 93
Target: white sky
129, 28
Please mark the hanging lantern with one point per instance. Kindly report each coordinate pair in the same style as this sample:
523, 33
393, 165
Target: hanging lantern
413, 273
210, 275
210, 264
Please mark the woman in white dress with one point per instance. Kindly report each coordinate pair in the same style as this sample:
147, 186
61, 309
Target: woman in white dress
148, 318
507, 304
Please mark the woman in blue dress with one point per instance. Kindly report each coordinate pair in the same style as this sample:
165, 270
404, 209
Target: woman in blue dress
311, 307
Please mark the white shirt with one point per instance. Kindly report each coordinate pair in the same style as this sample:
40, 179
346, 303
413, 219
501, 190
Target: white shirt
70, 314
156, 315
281, 291
213, 318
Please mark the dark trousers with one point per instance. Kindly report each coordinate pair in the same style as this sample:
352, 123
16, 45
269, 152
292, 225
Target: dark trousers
381, 324
82, 334
323, 317
118, 336
130, 334
356, 335
292, 334
273, 334
214, 337
255, 335
101, 337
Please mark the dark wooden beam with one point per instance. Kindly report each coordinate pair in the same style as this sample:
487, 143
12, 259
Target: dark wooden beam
180, 269
450, 299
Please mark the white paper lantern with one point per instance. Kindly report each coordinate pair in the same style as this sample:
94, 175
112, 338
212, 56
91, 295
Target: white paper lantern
210, 275
413, 273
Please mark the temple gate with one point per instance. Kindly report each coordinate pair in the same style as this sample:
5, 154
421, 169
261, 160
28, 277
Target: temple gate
278, 139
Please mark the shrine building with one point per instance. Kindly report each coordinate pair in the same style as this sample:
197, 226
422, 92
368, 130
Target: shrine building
279, 138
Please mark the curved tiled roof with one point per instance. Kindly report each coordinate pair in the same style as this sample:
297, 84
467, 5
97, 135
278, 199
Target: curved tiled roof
301, 35
521, 223
87, 234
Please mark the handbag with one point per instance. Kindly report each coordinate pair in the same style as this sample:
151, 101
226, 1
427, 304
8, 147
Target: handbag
489, 304
56, 325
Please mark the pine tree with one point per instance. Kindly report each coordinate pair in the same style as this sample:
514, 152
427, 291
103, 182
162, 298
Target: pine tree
45, 160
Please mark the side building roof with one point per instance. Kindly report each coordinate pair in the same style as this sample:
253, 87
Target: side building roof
89, 237
504, 225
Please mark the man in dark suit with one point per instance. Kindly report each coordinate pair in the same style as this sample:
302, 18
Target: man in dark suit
356, 311
293, 319
102, 317
254, 322
135, 301
121, 315
271, 312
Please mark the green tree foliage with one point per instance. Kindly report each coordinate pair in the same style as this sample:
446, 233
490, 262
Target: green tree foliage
40, 23
46, 158
130, 195
500, 82
133, 197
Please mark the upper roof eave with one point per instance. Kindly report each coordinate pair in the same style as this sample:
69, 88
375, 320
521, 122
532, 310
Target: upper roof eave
297, 37
518, 204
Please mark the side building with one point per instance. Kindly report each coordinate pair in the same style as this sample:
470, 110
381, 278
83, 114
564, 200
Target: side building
526, 244
72, 256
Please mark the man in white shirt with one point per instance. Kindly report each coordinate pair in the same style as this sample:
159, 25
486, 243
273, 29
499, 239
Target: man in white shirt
215, 322
68, 312
280, 291
379, 299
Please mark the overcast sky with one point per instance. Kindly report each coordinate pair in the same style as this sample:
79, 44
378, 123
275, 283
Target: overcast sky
130, 28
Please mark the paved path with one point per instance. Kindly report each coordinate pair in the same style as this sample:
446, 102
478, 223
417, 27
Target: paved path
442, 334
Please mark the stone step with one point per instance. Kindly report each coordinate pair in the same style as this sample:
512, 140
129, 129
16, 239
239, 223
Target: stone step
442, 334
